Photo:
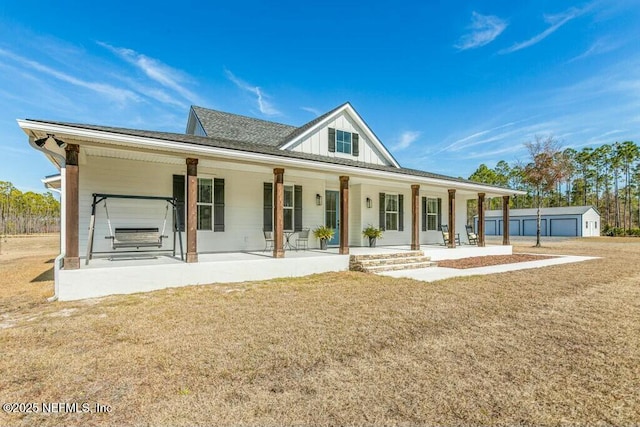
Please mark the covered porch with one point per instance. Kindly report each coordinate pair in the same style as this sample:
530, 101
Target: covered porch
126, 274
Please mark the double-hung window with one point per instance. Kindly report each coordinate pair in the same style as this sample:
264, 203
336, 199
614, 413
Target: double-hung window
432, 214
343, 142
288, 207
205, 204
210, 203
391, 211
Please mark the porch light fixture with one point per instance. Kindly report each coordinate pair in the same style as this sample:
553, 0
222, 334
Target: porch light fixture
369, 203
40, 142
318, 200
60, 143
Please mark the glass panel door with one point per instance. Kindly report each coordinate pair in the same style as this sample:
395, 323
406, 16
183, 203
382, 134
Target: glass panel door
332, 214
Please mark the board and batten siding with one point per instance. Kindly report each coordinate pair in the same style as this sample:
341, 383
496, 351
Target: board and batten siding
243, 202
318, 142
118, 176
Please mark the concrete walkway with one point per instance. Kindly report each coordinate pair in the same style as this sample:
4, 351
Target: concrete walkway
432, 274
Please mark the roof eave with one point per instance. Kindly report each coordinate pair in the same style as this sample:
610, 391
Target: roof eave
187, 148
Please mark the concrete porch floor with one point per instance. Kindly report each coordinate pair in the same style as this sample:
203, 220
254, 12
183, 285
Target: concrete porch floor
436, 252
131, 273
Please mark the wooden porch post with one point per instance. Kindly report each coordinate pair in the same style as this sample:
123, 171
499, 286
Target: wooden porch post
505, 220
278, 212
452, 218
481, 232
72, 182
192, 210
415, 229
344, 215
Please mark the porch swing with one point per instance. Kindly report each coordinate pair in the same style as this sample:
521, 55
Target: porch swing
134, 237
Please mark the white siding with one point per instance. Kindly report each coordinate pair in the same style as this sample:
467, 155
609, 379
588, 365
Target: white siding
357, 204
243, 202
112, 176
318, 142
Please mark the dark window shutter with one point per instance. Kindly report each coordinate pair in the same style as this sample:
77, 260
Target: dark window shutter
355, 144
179, 195
382, 216
400, 212
218, 204
297, 209
332, 140
439, 213
267, 215
424, 214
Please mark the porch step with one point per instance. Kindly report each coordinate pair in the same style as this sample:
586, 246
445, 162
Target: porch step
374, 263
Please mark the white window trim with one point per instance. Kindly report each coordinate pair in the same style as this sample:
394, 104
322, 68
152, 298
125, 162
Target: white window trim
397, 211
350, 153
205, 204
292, 207
434, 214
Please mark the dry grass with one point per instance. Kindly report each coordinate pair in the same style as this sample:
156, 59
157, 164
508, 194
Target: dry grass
557, 345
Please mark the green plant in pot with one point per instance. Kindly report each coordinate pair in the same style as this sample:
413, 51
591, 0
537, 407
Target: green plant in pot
325, 234
373, 234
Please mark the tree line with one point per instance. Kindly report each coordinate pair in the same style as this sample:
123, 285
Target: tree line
27, 212
606, 177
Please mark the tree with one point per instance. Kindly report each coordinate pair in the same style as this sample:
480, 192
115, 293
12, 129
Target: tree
548, 165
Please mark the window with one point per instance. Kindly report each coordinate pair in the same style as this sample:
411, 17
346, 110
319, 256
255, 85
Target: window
288, 207
432, 214
391, 211
205, 204
292, 207
343, 142
210, 204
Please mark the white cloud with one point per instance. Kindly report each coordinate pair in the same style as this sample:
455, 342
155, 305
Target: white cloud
265, 106
598, 48
484, 29
156, 71
556, 22
117, 94
406, 139
312, 110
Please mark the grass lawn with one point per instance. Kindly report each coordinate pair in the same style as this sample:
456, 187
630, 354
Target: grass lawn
555, 345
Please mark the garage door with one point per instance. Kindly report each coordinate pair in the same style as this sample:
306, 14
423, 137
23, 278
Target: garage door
514, 227
490, 228
530, 227
564, 227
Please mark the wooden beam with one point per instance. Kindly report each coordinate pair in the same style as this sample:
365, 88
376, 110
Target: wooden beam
415, 214
452, 218
72, 183
344, 215
505, 220
481, 228
192, 210
278, 213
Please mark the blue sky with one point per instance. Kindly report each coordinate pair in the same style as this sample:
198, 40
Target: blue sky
446, 85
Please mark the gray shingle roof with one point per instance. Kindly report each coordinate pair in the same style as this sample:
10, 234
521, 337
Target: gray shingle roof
302, 129
218, 124
261, 149
566, 210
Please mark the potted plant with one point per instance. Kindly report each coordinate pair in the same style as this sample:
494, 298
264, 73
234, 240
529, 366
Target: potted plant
373, 234
325, 234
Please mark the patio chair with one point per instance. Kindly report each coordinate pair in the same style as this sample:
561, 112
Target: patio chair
303, 240
471, 236
446, 234
268, 240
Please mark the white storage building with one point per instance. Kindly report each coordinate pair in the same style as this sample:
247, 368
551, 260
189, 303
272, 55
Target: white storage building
572, 221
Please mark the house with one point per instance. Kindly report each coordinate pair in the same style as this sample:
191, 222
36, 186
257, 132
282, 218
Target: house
571, 221
229, 179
